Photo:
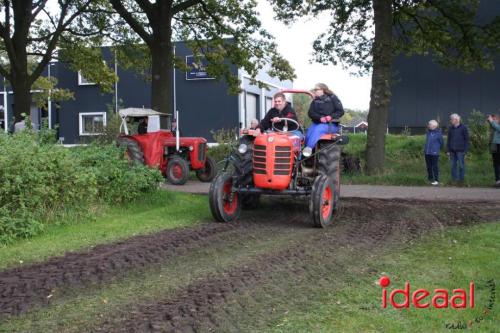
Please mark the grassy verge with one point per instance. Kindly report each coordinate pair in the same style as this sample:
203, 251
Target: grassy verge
157, 211
405, 164
352, 300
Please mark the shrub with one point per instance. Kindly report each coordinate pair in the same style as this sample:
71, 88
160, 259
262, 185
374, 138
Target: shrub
44, 182
226, 140
117, 181
479, 132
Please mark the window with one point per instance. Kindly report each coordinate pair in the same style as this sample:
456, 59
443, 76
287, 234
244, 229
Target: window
82, 81
269, 103
92, 123
251, 108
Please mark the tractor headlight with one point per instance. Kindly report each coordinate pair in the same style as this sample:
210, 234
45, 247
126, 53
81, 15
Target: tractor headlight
242, 148
191, 148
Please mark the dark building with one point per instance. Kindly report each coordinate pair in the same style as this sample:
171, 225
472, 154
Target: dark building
204, 103
423, 90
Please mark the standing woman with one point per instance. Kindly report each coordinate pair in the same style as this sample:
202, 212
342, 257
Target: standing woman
495, 146
325, 107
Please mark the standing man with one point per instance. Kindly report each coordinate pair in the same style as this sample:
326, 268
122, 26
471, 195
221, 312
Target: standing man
495, 146
457, 146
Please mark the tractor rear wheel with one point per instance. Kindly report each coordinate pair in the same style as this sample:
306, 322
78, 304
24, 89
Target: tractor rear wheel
329, 165
133, 151
224, 204
208, 172
321, 203
177, 171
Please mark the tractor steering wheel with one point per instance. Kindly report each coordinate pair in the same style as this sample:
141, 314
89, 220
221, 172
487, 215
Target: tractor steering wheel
285, 128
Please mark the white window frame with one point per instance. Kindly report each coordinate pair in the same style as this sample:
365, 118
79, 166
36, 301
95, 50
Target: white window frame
80, 121
81, 83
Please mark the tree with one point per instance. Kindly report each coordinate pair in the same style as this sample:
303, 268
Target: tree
445, 30
30, 32
204, 24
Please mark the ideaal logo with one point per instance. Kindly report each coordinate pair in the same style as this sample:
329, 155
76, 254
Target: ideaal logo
439, 299
422, 298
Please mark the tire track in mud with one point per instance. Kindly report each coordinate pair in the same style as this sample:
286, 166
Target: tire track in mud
191, 309
23, 286
361, 223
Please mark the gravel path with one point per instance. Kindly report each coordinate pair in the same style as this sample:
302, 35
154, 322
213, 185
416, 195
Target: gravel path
384, 192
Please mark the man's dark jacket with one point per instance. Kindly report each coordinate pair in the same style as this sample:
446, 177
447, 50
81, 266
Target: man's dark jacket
458, 139
326, 105
287, 112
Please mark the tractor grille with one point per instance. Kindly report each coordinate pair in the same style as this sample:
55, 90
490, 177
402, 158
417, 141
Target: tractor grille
281, 160
201, 151
259, 159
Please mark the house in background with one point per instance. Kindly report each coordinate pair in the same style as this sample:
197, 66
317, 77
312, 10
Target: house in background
204, 103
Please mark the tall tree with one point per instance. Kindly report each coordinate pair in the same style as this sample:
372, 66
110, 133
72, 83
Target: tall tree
204, 24
30, 32
447, 30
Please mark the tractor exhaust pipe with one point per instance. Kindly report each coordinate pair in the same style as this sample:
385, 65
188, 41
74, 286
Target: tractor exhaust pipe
177, 134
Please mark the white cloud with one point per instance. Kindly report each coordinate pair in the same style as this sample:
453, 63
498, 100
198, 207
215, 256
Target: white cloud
295, 44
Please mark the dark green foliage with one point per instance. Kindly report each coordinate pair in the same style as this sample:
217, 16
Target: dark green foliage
45, 182
226, 142
479, 132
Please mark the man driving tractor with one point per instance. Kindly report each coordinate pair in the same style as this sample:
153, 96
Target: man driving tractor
281, 109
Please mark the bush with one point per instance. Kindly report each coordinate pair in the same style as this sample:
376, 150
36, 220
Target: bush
479, 132
226, 141
117, 181
44, 182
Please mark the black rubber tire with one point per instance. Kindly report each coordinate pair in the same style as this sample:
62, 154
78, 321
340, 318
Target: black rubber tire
184, 167
321, 185
328, 158
218, 199
250, 200
208, 173
243, 163
328, 164
133, 150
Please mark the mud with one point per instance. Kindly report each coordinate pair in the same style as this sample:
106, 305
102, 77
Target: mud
360, 223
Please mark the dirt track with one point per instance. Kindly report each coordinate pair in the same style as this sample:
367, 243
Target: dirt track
362, 225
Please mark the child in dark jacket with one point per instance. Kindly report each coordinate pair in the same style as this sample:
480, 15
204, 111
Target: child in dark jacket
433, 144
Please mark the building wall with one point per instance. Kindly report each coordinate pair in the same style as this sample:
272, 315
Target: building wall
423, 90
204, 105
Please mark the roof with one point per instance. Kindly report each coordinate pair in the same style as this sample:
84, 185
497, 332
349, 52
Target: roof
140, 112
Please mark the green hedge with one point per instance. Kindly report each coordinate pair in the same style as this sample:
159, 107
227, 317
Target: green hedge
44, 182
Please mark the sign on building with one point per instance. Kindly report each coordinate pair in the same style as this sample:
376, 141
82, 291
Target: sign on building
197, 69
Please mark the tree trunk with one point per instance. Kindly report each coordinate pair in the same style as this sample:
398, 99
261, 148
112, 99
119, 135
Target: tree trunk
161, 74
381, 87
22, 98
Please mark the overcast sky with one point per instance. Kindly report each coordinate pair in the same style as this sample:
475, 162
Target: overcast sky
295, 44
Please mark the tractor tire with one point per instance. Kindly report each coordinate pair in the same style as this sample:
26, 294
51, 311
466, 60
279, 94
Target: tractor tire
208, 173
133, 151
329, 165
243, 163
224, 205
321, 202
177, 171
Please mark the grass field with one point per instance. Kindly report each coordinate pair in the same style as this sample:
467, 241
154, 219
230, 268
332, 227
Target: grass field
405, 164
154, 212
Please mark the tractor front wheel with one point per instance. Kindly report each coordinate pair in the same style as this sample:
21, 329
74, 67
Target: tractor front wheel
322, 201
177, 171
224, 204
208, 172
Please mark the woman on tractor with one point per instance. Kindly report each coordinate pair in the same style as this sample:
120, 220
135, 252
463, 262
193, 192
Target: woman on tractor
325, 107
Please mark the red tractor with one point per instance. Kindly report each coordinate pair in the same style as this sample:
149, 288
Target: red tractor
162, 148
272, 163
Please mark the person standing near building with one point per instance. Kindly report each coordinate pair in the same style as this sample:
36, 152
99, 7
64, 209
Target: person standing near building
494, 121
457, 146
433, 144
